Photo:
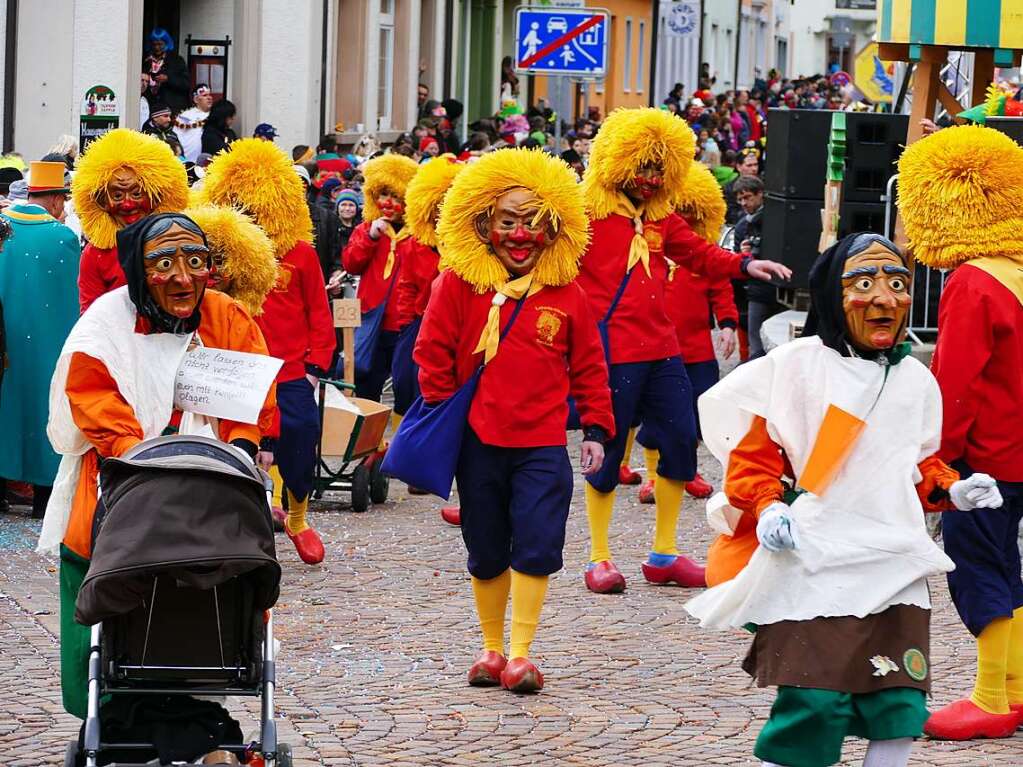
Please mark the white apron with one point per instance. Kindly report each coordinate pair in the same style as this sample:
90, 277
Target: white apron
863, 544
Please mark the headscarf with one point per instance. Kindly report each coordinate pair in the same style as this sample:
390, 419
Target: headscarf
131, 243
826, 317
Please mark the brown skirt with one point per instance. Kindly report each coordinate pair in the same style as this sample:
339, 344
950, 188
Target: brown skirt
847, 654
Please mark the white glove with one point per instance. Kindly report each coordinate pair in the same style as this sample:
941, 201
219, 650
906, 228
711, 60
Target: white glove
776, 530
978, 491
376, 229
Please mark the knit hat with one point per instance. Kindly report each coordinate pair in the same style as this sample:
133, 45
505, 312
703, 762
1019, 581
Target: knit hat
426, 141
539, 136
330, 185
348, 195
303, 173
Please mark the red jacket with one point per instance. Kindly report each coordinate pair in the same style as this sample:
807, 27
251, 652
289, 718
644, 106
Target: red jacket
419, 270
978, 361
99, 272
367, 257
640, 330
689, 299
552, 350
296, 320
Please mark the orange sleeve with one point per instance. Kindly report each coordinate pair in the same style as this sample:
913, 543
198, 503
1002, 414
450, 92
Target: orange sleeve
938, 477
755, 468
244, 335
98, 408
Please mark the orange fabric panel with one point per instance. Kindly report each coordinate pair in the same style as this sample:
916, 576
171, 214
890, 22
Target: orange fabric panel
752, 482
109, 422
937, 475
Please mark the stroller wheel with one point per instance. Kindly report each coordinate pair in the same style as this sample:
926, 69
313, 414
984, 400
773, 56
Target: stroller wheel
379, 484
360, 488
71, 755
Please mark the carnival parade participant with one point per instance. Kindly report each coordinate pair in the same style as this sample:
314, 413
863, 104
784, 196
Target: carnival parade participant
121, 177
690, 301
513, 229
637, 170
373, 253
38, 272
960, 198
241, 255
852, 423
259, 178
189, 124
114, 387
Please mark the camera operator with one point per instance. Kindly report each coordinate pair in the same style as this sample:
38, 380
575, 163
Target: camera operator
761, 297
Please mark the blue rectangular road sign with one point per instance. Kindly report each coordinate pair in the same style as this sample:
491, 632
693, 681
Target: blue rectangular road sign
562, 41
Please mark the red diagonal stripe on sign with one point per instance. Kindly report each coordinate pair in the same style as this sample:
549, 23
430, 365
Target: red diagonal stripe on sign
553, 46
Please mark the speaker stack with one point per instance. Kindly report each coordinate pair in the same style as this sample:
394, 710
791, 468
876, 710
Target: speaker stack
797, 156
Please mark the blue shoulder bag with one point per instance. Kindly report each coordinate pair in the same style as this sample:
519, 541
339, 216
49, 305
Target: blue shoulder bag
602, 328
424, 452
368, 333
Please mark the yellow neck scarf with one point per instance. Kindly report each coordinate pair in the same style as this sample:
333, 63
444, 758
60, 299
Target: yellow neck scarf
1007, 271
639, 250
404, 234
491, 335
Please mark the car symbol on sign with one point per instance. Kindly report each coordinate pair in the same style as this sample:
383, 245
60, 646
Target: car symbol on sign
557, 24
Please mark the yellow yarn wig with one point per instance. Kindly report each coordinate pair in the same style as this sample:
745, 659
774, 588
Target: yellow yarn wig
476, 189
961, 196
258, 178
161, 174
249, 263
629, 139
424, 195
389, 171
702, 202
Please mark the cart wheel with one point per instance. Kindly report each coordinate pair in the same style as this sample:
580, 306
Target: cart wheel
379, 484
71, 754
284, 755
360, 488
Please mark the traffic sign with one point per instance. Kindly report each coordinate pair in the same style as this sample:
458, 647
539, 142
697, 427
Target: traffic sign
561, 41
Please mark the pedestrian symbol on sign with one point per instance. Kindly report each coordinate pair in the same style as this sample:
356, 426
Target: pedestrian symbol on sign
531, 40
567, 57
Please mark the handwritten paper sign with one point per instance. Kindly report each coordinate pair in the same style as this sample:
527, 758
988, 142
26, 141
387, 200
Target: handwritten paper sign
224, 384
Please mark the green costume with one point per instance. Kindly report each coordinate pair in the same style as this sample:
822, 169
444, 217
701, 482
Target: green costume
39, 293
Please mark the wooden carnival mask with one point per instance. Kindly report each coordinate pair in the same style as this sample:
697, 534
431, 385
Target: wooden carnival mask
515, 230
123, 198
177, 269
875, 298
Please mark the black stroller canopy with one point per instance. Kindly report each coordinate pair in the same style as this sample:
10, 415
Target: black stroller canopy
187, 507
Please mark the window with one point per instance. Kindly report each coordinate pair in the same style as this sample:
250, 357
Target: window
627, 76
385, 83
639, 57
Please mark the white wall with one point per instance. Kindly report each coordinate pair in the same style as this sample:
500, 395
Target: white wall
3, 62
43, 83
289, 70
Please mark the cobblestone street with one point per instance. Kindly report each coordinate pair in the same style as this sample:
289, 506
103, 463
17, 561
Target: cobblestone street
377, 640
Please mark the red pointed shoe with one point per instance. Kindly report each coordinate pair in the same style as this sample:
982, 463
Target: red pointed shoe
605, 578
520, 675
452, 515
626, 476
486, 670
964, 720
683, 571
308, 545
646, 493
699, 488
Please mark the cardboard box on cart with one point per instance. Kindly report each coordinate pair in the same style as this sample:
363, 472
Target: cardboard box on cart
352, 427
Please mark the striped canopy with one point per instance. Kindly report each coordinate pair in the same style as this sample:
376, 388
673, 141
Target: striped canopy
960, 23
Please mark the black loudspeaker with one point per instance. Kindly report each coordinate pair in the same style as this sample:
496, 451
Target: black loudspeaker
792, 230
797, 152
1010, 126
874, 144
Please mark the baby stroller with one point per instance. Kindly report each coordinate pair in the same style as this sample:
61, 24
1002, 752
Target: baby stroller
178, 593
